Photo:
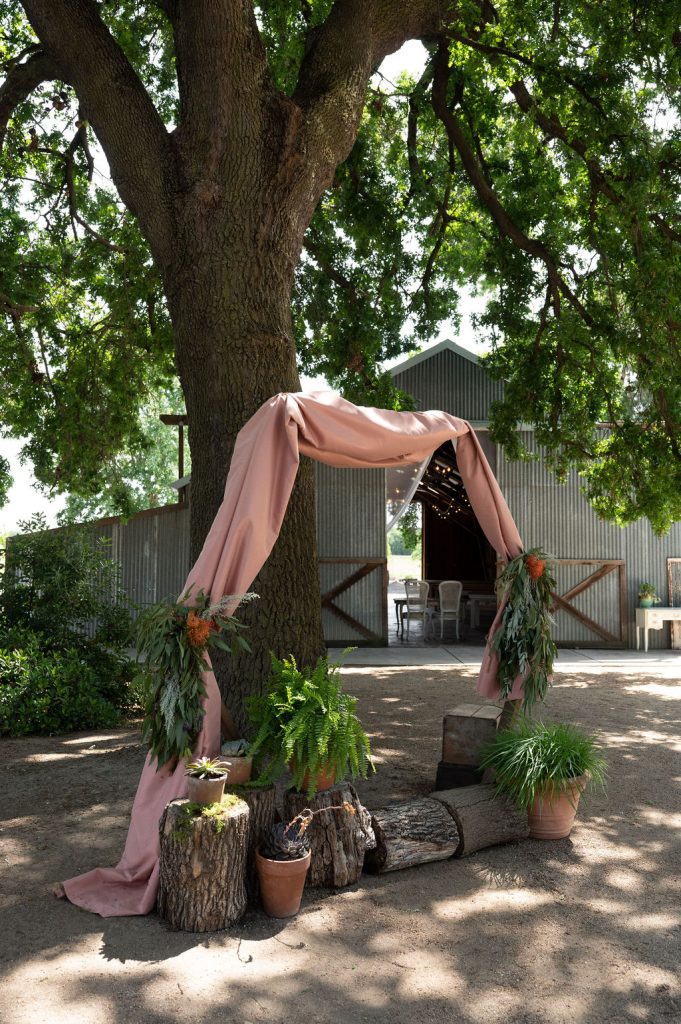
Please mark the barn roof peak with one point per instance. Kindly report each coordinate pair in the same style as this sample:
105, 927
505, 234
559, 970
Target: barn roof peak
442, 346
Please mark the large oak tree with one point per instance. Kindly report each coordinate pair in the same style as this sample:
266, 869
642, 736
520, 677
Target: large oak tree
271, 193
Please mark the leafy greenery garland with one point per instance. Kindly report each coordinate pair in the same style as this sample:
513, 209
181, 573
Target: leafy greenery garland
307, 722
523, 640
172, 642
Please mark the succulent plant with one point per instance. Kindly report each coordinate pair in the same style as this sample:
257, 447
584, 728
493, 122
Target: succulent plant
290, 840
207, 768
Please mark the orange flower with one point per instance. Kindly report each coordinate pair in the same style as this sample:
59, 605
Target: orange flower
535, 566
198, 630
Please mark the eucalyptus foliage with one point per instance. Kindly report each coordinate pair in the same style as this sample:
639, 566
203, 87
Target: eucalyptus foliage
523, 641
305, 721
173, 639
541, 759
535, 159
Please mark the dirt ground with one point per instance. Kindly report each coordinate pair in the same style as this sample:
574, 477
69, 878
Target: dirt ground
583, 930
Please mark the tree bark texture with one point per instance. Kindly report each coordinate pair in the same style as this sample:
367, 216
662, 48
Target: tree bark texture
202, 873
482, 818
338, 839
263, 813
413, 832
224, 200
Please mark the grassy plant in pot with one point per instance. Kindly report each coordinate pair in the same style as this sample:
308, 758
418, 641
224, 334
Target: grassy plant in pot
544, 768
647, 595
206, 778
305, 721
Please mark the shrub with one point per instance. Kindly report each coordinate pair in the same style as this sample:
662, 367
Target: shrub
64, 627
50, 692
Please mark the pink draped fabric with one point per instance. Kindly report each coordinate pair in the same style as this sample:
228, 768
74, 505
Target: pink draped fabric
261, 477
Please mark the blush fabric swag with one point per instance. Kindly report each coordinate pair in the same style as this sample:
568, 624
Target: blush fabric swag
261, 477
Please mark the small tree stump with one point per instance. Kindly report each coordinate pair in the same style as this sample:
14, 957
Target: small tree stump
263, 811
465, 729
338, 840
482, 818
414, 832
202, 871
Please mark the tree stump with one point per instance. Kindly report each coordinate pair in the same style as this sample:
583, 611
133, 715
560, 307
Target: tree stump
414, 832
338, 840
263, 812
482, 818
202, 872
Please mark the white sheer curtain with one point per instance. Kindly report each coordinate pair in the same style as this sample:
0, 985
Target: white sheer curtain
400, 486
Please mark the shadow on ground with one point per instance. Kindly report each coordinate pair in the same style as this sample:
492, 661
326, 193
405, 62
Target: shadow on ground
581, 930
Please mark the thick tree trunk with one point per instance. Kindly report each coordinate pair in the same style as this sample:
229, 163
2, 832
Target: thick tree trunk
235, 350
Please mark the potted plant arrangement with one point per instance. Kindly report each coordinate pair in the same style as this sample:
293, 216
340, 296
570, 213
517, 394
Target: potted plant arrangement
544, 768
240, 761
647, 595
173, 643
305, 721
206, 778
283, 860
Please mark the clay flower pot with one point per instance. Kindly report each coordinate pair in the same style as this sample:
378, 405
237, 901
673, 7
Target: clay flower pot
281, 884
552, 814
240, 770
325, 778
205, 791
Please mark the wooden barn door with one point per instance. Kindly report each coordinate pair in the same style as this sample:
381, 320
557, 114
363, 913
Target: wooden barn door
591, 593
674, 597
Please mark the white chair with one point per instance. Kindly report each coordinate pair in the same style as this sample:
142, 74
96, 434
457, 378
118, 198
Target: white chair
417, 604
450, 604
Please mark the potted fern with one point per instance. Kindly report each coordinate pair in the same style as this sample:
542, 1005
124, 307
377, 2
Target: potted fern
544, 767
305, 721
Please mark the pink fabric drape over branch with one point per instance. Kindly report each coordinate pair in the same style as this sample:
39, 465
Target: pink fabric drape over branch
261, 477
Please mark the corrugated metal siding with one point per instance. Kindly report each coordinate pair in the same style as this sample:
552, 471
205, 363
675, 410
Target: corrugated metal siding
451, 383
351, 525
558, 518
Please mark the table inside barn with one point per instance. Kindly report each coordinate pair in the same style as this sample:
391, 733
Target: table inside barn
474, 600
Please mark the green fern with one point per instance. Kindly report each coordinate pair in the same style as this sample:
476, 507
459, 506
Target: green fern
307, 722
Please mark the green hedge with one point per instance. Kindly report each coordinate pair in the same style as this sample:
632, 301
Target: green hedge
50, 692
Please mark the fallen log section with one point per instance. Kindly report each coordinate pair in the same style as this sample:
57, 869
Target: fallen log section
482, 818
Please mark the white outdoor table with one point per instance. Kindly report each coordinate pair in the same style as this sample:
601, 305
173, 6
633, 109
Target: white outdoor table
475, 602
653, 618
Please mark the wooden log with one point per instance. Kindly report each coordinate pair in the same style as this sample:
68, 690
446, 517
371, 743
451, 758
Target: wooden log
262, 805
202, 873
482, 818
338, 840
414, 832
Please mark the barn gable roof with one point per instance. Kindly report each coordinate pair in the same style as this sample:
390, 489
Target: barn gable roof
442, 346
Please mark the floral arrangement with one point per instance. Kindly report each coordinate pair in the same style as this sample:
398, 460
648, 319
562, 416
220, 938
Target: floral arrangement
523, 640
173, 639
647, 592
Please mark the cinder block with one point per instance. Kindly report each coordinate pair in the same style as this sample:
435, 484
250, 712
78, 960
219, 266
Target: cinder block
464, 730
453, 776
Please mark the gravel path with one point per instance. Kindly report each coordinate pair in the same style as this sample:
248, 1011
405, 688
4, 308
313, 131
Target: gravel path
580, 931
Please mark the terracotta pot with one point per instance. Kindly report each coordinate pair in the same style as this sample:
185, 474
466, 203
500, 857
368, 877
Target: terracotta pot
281, 884
325, 779
205, 791
239, 770
552, 814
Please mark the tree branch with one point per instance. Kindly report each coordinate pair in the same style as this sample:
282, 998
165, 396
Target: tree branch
532, 246
335, 72
21, 81
140, 151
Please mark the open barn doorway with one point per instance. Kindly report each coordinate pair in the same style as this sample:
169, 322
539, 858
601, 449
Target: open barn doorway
453, 547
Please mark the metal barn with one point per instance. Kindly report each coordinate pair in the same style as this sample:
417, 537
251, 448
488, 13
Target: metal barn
599, 566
